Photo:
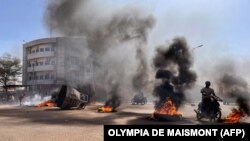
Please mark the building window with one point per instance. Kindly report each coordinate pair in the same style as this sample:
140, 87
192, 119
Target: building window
73, 60
41, 49
47, 76
41, 77
52, 48
37, 50
47, 62
40, 63
33, 51
47, 49
29, 50
52, 77
53, 62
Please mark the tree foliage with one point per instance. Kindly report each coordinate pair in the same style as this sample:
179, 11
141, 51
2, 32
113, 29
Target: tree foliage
10, 70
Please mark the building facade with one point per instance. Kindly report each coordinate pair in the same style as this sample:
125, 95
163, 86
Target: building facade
50, 62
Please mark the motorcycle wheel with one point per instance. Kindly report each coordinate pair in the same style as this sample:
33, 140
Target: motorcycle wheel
217, 117
198, 115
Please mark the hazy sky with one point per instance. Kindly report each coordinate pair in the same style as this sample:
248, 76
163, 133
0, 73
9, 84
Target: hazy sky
222, 26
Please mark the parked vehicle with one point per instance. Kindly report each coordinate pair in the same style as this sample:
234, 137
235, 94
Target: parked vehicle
139, 99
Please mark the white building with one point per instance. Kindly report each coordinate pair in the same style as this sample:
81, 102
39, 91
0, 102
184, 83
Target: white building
50, 62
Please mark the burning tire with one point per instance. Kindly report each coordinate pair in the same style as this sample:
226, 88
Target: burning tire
106, 109
167, 112
235, 116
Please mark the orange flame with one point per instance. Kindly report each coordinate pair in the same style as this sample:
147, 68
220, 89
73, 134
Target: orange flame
234, 116
105, 109
48, 103
168, 108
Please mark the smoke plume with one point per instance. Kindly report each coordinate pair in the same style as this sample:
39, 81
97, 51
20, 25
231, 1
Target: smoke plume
116, 38
34, 100
173, 63
236, 87
115, 100
140, 79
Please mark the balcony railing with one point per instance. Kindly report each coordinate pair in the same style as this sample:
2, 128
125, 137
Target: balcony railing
41, 68
38, 82
40, 55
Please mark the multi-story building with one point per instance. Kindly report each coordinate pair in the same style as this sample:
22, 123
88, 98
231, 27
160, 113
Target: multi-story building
50, 62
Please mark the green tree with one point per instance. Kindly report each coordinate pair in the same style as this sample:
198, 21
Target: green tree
10, 70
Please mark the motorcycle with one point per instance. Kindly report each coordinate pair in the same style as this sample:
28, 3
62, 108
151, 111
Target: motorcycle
212, 112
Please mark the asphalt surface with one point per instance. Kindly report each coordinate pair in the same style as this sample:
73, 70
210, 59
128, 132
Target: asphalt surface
27, 123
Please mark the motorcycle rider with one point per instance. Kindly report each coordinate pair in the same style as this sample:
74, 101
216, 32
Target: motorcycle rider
207, 93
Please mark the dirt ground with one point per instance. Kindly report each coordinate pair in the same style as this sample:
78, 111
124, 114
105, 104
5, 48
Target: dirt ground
52, 124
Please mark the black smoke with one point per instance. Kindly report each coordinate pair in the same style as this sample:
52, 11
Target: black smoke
75, 18
116, 39
237, 88
114, 100
243, 105
173, 63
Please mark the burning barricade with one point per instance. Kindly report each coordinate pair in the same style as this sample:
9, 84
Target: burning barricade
234, 116
173, 63
236, 88
167, 112
111, 104
67, 98
168, 108
169, 100
109, 107
48, 103
105, 109
237, 114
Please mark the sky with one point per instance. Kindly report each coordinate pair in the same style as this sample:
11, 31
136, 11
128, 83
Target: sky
221, 26
21, 21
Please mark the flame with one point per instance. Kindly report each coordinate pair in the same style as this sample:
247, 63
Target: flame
48, 103
234, 116
105, 109
169, 108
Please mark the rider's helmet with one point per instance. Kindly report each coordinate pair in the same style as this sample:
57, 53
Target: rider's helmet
207, 83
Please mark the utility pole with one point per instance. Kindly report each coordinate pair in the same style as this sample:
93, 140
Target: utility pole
34, 76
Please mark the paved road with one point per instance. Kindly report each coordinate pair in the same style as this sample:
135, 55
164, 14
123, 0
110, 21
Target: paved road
52, 124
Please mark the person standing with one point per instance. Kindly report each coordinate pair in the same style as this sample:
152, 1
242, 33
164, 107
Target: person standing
21, 97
